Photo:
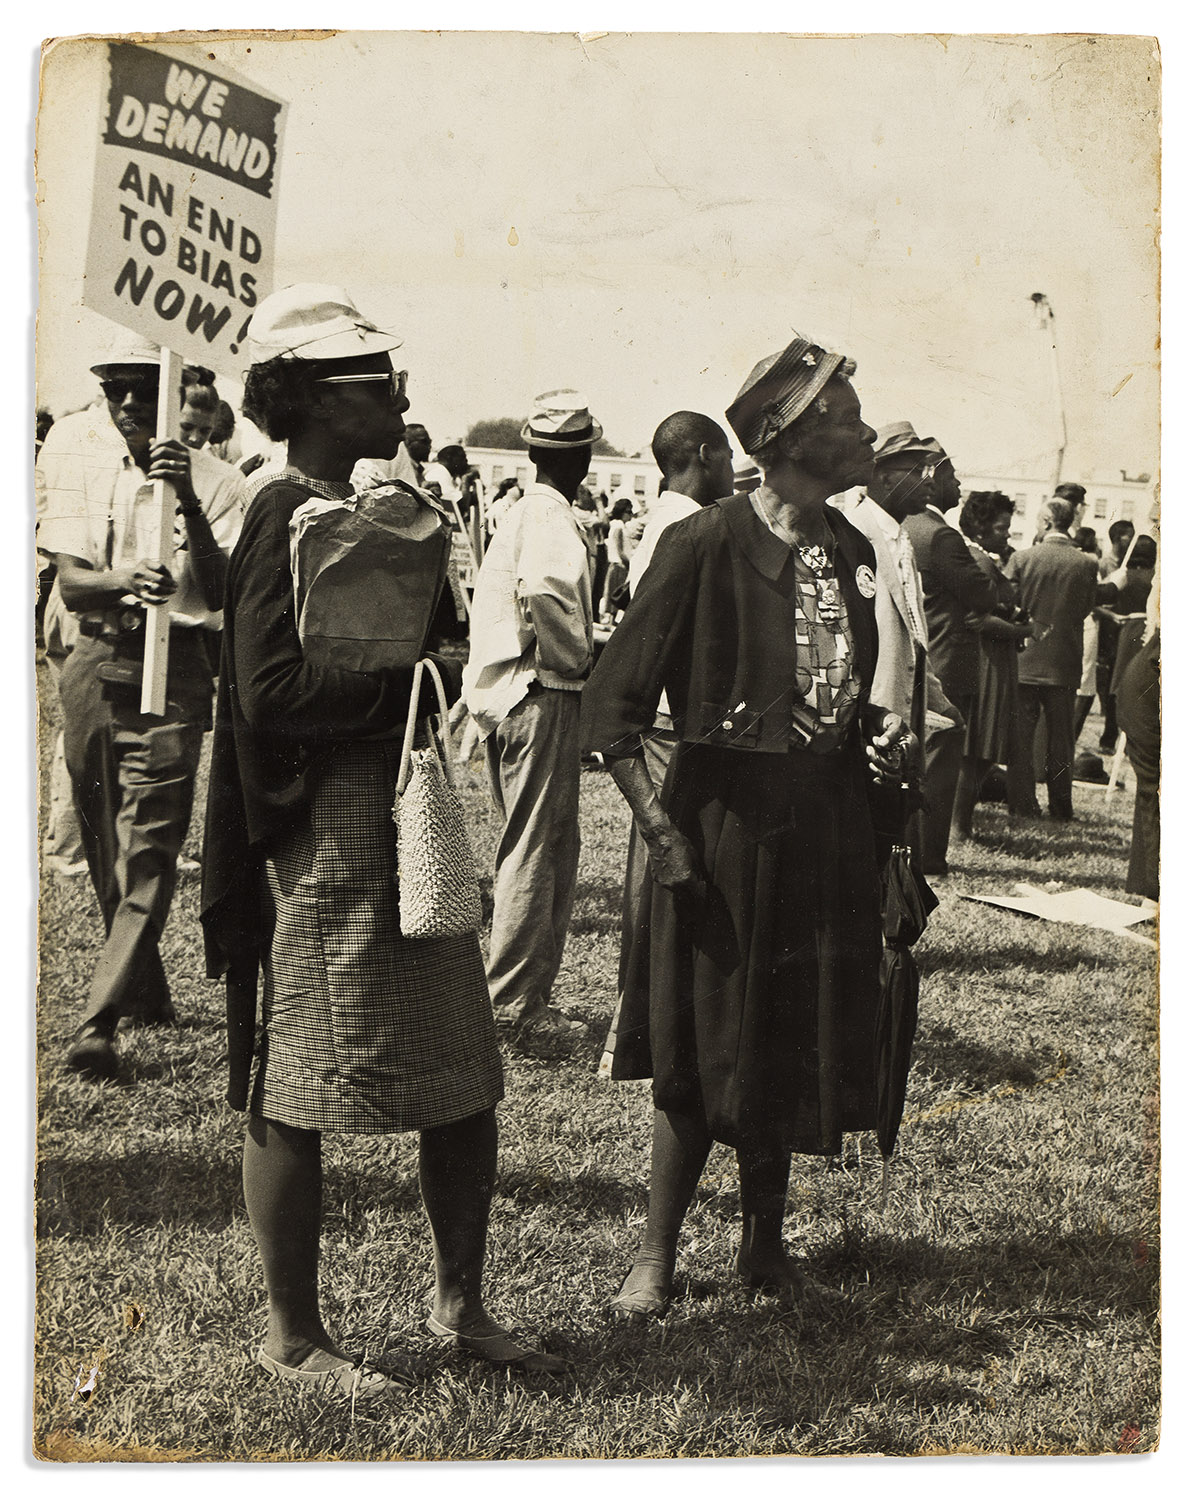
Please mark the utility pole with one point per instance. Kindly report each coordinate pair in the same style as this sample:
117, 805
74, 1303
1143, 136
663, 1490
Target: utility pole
1045, 320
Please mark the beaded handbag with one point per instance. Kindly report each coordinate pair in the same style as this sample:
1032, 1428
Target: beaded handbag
439, 885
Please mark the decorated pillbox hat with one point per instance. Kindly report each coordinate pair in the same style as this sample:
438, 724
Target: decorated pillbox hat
780, 388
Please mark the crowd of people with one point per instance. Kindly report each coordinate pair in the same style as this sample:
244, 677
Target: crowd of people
769, 678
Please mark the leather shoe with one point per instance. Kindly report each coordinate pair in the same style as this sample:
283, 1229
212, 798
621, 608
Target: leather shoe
549, 1032
153, 1015
93, 1054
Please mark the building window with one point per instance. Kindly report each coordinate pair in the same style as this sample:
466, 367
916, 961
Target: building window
1020, 502
1127, 509
639, 486
593, 480
497, 475
1101, 507
524, 476
614, 480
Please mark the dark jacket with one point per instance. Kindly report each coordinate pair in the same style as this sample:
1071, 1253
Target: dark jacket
955, 587
713, 622
1056, 584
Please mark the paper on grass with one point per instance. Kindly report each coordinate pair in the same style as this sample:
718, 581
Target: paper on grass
1081, 906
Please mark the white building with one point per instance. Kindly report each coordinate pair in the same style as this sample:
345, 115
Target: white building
1106, 501
1133, 498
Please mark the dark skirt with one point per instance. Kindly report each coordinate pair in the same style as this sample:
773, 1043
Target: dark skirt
990, 722
365, 1031
754, 1011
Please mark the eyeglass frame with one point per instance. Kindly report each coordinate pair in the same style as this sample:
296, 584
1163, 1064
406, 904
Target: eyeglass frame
397, 380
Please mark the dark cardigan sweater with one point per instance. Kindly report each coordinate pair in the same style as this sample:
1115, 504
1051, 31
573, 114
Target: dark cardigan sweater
713, 622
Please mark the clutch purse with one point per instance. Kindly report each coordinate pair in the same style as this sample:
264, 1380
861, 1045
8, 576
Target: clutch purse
439, 885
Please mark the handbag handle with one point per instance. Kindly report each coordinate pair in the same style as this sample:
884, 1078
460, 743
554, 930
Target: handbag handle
410, 728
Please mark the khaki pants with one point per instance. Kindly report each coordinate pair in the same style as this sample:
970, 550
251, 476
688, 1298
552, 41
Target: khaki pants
533, 762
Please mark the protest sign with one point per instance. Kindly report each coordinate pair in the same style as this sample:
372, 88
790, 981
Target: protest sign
181, 241
182, 235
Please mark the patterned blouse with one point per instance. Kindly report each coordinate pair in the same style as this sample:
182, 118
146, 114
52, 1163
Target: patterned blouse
827, 683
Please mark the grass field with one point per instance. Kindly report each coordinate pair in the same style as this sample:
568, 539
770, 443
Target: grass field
1006, 1301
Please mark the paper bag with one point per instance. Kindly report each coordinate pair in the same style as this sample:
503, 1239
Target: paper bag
366, 574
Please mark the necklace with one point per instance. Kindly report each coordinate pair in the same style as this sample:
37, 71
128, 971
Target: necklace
817, 559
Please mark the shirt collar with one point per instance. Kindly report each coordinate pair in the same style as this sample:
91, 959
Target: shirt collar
547, 491
1053, 534
884, 521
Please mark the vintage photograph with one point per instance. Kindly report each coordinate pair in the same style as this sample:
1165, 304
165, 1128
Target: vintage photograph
597, 670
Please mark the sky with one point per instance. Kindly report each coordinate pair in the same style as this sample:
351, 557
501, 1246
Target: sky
644, 217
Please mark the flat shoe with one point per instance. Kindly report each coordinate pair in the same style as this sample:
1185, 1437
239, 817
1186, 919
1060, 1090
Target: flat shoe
496, 1347
354, 1380
651, 1300
792, 1282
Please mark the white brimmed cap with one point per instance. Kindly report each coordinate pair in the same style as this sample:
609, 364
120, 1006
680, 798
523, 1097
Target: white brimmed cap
560, 419
315, 322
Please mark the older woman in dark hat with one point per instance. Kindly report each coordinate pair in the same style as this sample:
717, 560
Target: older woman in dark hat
363, 1031
753, 976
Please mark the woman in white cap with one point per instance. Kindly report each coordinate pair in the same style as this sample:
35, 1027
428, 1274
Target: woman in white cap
363, 1031
752, 979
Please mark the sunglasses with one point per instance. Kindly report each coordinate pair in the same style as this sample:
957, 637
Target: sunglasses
144, 387
396, 380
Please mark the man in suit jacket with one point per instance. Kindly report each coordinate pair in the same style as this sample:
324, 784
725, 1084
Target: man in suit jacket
1056, 585
955, 588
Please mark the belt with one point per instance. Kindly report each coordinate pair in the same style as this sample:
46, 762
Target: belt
118, 624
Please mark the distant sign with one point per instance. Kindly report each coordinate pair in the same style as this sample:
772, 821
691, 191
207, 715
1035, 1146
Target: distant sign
181, 245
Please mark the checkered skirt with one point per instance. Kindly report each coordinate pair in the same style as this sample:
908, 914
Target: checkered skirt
365, 1031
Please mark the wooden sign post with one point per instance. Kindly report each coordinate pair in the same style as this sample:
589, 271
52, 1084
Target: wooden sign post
158, 618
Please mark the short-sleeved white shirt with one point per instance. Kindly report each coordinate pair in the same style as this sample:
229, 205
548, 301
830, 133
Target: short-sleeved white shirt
90, 493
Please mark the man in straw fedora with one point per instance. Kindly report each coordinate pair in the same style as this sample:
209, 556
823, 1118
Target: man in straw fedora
531, 649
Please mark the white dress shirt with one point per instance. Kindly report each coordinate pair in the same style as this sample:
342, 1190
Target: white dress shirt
94, 501
667, 508
531, 617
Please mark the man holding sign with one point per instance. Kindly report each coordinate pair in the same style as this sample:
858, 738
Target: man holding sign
132, 773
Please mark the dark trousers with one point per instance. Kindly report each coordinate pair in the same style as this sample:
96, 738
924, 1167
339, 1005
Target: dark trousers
657, 749
1056, 703
943, 759
133, 777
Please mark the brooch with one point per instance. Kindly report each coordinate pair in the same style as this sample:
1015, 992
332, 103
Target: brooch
866, 581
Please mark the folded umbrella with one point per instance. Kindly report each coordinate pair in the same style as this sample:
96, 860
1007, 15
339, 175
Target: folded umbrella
907, 903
